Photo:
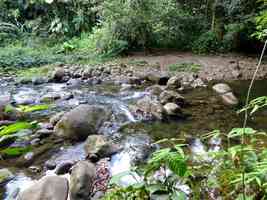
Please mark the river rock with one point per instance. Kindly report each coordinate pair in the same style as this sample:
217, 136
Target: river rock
43, 133
222, 88
155, 89
50, 97
63, 168
226, 94
55, 118
99, 146
81, 122
160, 78
169, 96
150, 106
174, 82
172, 109
82, 179
74, 82
47, 188
39, 80
5, 176
230, 99
58, 75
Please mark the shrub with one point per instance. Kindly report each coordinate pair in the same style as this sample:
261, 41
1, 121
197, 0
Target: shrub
206, 43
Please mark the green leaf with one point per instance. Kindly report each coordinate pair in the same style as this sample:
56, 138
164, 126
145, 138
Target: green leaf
177, 195
157, 189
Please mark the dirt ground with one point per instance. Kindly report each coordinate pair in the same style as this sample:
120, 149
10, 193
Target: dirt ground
213, 67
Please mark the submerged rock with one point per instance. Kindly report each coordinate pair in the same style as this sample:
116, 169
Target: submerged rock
49, 187
99, 146
230, 99
81, 122
82, 179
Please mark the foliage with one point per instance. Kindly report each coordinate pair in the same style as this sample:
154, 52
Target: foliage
255, 105
206, 43
172, 159
51, 17
261, 23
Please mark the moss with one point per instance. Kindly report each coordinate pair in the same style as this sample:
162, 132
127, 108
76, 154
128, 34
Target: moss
11, 152
13, 128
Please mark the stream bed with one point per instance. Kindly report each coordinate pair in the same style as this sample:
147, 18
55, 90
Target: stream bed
204, 113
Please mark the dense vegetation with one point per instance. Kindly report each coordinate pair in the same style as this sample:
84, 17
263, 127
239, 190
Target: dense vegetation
110, 27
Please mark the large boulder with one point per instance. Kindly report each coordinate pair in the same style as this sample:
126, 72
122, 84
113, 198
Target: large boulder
82, 179
98, 146
47, 188
81, 122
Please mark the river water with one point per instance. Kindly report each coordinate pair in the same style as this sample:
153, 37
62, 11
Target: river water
204, 113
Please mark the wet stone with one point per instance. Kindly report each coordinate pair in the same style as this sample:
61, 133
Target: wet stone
50, 165
5, 176
43, 133
64, 168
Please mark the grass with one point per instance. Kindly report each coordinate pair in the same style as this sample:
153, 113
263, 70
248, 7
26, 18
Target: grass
184, 67
34, 52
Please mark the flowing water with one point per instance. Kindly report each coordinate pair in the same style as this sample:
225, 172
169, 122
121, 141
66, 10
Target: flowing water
204, 113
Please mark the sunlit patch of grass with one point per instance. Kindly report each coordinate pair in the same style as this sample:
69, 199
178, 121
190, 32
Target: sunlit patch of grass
184, 67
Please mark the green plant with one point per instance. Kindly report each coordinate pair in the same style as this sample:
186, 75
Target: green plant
206, 43
188, 67
173, 159
255, 105
261, 23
